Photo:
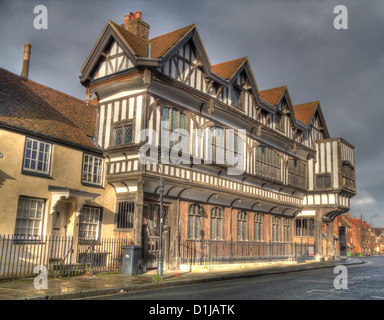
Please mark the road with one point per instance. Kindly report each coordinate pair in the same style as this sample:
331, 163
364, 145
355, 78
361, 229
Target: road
364, 282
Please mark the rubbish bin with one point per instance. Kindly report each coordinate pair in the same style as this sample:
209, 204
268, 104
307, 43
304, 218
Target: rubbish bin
131, 259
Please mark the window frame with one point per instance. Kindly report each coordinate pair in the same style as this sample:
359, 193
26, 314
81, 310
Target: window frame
122, 124
101, 171
214, 221
171, 128
98, 227
195, 216
36, 171
276, 229
27, 237
258, 227
242, 225
125, 220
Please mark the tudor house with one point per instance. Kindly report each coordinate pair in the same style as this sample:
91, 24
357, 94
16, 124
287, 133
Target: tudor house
251, 166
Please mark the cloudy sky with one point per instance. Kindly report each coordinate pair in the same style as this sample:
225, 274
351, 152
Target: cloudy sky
288, 42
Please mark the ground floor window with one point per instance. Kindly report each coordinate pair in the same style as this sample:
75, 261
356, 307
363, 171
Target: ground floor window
195, 222
287, 235
89, 225
304, 227
276, 229
216, 223
242, 226
29, 218
125, 212
258, 227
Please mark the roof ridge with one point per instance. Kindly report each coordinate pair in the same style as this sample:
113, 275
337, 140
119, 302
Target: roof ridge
229, 61
284, 86
124, 30
168, 33
311, 102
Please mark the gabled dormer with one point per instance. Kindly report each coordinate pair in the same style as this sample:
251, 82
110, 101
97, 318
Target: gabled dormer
311, 115
241, 91
283, 118
117, 49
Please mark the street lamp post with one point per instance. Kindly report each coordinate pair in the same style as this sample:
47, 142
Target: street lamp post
160, 260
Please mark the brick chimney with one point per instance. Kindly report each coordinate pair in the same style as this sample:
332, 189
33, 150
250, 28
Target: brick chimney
136, 26
25, 66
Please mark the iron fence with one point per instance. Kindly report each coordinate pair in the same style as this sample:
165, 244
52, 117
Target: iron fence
60, 255
202, 252
104, 255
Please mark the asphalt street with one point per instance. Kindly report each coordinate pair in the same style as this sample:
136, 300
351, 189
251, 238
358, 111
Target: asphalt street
360, 282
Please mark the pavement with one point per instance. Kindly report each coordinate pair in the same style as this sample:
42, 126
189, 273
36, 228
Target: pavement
114, 283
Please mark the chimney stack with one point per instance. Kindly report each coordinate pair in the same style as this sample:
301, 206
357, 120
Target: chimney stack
25, 66
136, 26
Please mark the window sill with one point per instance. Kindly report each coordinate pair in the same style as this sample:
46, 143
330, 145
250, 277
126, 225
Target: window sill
37, 174
86, 184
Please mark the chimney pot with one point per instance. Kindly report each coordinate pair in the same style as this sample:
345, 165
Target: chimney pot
25, 66
136, 26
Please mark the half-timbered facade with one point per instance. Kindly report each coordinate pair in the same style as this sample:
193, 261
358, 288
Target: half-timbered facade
217, 121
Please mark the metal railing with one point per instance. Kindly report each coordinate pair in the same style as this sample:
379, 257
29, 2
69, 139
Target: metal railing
203, 252
61, 256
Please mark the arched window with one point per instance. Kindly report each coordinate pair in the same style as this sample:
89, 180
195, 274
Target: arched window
287, 235
195, 222
258, 227
276, 229
242, 226
216, 223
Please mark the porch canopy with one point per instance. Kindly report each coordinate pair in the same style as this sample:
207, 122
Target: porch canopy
60, 193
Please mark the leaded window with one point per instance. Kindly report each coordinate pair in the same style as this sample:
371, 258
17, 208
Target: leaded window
287, 235
323, 181
276, 229
216, 223
242, 226
29, 218
123, 134
297, 173
176, 122
37, 156
195, 222
258, 227
268, 163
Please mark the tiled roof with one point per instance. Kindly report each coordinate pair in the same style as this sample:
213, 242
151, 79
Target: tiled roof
32, 106
137, 45
227, 70
161, 45
305, 112
273, 96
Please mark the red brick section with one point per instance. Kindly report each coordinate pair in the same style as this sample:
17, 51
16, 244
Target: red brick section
305, 112
273, 96
32, 106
